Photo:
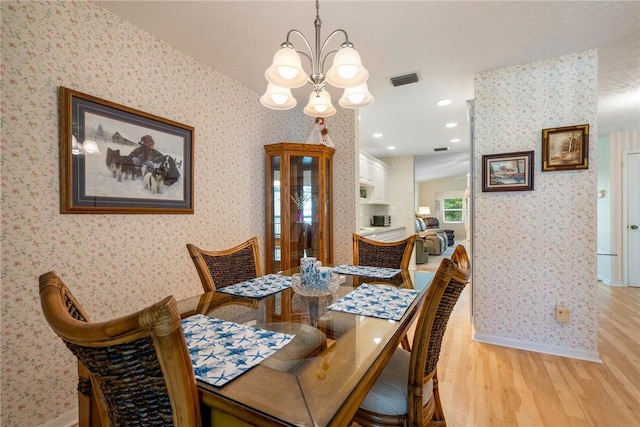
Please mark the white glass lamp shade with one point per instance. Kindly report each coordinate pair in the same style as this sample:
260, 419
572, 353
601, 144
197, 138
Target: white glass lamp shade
356, 97
347, 70
319, 104
424, 210
286, 70
278, 98
90, 147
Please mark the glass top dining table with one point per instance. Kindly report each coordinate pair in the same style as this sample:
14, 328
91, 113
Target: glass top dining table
308, 382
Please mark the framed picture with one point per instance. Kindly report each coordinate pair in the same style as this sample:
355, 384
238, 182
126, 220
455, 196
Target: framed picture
114, 159
507, 171
565, 148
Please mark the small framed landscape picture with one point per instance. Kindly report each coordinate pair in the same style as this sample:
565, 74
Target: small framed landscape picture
507, 171
114, 159
565, 148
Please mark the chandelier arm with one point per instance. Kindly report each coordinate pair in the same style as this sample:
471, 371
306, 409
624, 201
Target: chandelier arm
333, 33
327, 40
333, 52
306, 42
305, 55
309, 80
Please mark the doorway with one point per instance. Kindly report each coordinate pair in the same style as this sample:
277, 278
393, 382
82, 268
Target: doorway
631, 217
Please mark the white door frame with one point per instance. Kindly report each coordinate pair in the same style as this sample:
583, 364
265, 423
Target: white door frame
626, 253
470, 205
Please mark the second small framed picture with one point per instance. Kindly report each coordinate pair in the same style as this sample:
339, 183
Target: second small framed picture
565, 148
507, 171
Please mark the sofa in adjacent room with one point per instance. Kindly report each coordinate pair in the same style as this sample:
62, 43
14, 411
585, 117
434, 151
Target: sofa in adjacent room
422, 251
431, 236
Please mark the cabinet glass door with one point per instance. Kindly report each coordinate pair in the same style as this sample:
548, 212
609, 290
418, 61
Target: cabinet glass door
304, 213
298, 204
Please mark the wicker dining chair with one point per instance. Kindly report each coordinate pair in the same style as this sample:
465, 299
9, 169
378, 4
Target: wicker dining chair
221, 268
374, 253
382, 254
88, 412
139, 364
406, 392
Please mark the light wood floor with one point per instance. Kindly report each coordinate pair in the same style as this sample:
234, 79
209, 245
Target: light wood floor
483, 385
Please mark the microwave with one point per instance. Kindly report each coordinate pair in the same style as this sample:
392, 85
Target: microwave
381, 220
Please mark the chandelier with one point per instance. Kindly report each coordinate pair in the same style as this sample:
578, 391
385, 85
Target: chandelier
346, 73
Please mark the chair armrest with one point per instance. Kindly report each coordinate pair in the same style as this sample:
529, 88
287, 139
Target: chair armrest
430, 232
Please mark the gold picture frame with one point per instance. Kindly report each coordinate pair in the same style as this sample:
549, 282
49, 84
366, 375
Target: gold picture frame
565, 148
115, 159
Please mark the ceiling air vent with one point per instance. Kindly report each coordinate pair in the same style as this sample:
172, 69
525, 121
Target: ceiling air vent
404, 80
441, 149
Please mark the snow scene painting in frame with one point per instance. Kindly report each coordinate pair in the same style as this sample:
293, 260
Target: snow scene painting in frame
115, 159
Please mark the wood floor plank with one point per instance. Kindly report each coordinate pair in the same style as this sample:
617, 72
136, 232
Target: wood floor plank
483, 385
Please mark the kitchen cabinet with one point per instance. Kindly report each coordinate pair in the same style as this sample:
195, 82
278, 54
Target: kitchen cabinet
380, 183
374, 177
299, 205
365, 170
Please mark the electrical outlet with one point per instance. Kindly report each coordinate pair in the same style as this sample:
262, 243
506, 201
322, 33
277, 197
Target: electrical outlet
563, 314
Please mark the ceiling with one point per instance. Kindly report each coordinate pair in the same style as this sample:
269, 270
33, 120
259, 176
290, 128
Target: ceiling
446, 42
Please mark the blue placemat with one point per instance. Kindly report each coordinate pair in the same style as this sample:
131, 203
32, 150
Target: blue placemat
385, 302
220, 350
259, 287
363, 270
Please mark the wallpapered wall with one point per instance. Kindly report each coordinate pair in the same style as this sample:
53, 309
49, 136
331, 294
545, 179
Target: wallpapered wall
536, 249
401, 192
116, 264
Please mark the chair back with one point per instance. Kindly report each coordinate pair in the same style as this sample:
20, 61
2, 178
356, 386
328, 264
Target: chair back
86, 414
382, 254
449, 281
221, 268
139, 364
432, 222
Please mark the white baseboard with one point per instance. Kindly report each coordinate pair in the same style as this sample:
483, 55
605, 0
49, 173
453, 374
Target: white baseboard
68, 419
608, 282
539, 348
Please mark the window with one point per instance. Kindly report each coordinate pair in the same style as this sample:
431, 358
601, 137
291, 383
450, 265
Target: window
453, 209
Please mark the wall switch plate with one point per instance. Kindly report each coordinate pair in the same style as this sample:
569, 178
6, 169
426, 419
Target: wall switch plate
563, 314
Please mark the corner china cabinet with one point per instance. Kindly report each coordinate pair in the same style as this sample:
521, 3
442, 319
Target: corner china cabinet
298, 204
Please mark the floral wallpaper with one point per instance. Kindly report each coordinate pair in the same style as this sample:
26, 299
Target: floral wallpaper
117, 264
402, 193
534, 250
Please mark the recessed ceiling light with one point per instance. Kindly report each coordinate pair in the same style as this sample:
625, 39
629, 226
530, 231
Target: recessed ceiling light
442, 102
377, 135
391, 147
451, 125
455, 140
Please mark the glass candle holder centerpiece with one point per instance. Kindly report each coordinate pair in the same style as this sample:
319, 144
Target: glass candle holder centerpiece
313, 279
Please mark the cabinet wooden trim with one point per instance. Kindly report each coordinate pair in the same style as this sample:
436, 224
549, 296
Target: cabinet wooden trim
322, 222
